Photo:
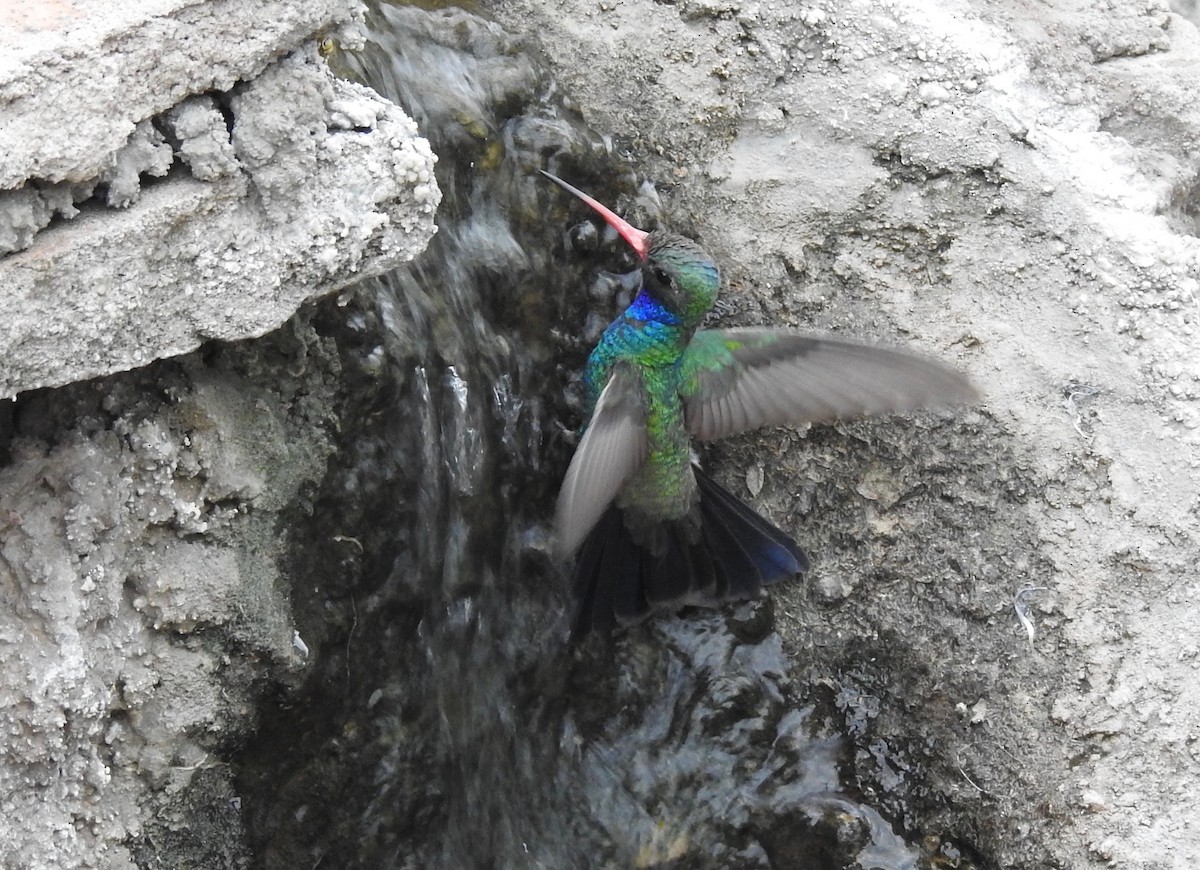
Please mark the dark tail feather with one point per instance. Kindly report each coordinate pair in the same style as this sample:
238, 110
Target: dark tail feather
598, 574
736, 553
755, 553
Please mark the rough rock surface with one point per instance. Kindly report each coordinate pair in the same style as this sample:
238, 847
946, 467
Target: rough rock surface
277, 190
166, 184
142, 522
1013, 188
78, 77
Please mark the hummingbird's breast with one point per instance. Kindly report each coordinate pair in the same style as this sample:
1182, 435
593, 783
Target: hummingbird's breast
643, 344
664, 488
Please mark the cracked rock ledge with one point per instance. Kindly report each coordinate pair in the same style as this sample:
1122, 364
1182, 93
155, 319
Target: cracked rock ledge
215, 217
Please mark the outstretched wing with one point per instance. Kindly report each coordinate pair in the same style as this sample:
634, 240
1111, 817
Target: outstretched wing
740, 379
613, 448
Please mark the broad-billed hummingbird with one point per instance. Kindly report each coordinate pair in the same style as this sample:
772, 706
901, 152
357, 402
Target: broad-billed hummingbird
653, 531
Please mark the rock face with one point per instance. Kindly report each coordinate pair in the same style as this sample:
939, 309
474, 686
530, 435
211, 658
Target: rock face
278, 184
141, 595
170, 173
1003, 601
1015, 189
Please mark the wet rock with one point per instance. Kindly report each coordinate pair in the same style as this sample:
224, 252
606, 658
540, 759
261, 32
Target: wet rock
979, 186
141, 598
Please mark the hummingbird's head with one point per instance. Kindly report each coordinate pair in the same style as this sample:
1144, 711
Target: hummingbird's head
675, 270
680, 274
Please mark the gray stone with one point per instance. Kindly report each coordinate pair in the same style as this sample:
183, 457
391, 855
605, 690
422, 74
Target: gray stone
146, 152
78, 77
204, 145
140, 519
139, 578
297, 204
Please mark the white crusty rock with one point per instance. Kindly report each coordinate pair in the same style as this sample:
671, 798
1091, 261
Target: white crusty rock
321, 183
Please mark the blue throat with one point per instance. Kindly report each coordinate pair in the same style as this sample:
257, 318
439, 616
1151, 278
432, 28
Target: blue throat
646, 308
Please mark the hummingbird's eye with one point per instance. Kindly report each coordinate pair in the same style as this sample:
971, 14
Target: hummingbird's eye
661, 275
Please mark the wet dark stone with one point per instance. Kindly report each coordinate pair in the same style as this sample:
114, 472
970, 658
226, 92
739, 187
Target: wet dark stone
445, 719
815, 837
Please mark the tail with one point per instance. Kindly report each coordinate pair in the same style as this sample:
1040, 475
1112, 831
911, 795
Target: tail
736, 553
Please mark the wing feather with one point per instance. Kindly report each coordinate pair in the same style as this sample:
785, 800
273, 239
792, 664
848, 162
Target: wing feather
760, 397
740, 379
612, 449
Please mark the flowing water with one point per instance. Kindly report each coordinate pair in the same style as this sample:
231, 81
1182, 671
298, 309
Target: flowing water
446, 721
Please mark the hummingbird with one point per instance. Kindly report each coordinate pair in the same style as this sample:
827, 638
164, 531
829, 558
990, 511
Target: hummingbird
652, 530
